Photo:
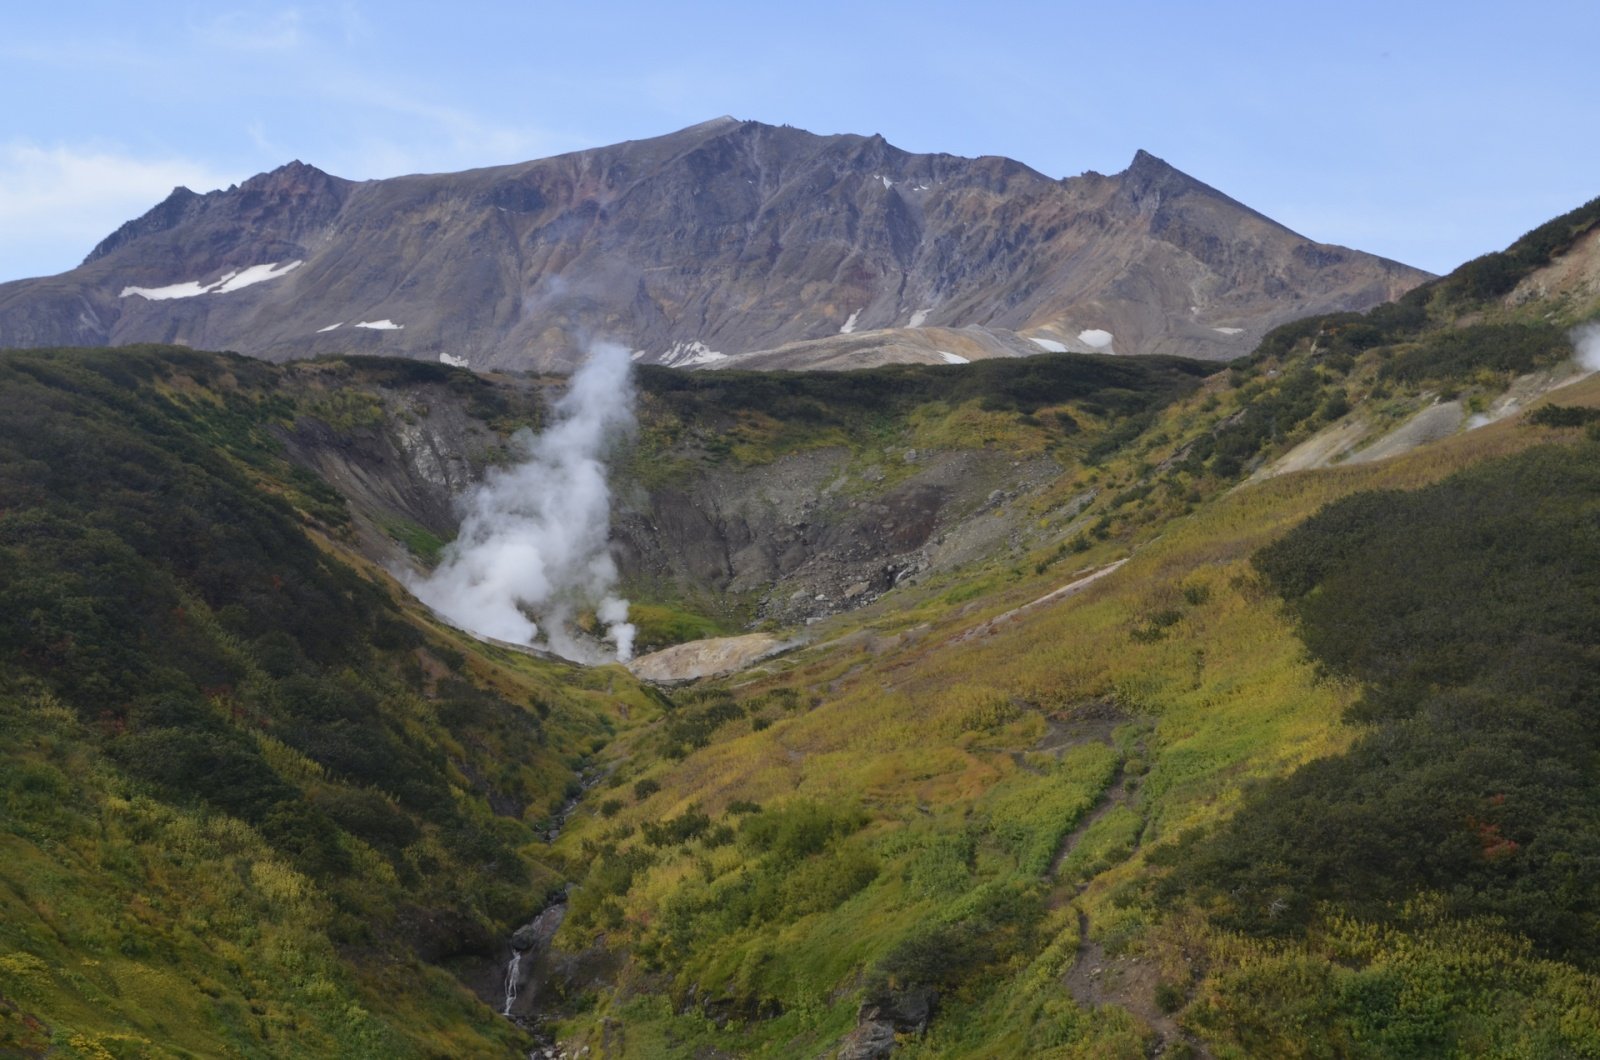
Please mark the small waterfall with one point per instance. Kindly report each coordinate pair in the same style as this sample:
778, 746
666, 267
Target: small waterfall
534, 937
511, 980
531, 941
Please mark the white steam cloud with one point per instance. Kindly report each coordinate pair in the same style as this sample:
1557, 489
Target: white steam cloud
1586, 340
532, 551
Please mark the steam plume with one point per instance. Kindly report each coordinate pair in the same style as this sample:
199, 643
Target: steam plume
533, 543
1586, 340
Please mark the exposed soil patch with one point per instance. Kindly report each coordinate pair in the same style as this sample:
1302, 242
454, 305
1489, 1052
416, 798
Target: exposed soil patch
1072, 588
1089, 723
707, 658
814, 534
1128, 982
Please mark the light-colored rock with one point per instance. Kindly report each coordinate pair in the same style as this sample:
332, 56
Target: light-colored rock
706, 658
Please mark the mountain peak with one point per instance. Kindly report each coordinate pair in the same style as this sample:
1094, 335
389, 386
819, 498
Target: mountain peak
1149, 177
170, 212
1147, 168
712, 125
292, 172
727, 237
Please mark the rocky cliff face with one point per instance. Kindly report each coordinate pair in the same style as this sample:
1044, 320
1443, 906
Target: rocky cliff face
723, 239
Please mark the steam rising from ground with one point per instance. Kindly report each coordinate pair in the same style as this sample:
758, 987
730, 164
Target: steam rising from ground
1586, 340
533, 543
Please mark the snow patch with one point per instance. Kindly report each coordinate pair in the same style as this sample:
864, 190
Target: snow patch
381, 325
256, 274
918, 317
689, 354
887, 183
1095, 337
953, 358
229, 281
1049, 345
452, 360
177, 290
1229, 331
330, 327
849, 325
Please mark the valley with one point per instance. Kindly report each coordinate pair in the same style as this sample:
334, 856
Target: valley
1075, 705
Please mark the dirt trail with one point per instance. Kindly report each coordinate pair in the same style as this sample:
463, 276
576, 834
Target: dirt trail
1070, 589
1098, 724
1116, 795
1126, 980
1091, 723
1129, 983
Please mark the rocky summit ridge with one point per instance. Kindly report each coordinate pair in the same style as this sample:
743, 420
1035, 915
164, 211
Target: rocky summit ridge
725, 239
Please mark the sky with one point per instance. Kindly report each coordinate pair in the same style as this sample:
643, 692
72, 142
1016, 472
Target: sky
1429, 132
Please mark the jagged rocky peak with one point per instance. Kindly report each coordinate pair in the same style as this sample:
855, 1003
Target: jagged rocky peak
299, 194
1149, 177
295, 176
170, 212
295, 188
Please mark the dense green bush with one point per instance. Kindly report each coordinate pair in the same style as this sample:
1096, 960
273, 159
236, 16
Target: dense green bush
1109, 385
1563, 416
1468, 611
1458, 353
797, 829
1271, 410
1495, 274
156, 578
996, 922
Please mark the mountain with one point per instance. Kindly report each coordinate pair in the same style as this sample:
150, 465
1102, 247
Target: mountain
1081, 705
726, 238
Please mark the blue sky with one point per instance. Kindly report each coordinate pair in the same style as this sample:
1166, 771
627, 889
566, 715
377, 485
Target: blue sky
1428, 132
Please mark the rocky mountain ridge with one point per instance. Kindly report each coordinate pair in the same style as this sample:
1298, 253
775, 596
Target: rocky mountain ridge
723, 239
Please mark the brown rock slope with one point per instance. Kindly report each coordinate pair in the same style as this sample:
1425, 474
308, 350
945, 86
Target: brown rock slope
724, 238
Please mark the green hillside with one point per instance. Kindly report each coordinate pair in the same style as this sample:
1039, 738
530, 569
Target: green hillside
252, 803
1237, 741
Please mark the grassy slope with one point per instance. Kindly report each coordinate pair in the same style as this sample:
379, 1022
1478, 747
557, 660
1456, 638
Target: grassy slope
939, 754
881, 810
920, 736
244, 791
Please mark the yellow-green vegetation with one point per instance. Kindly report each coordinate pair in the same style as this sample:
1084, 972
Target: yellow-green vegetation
349, 410
419, 540
659, 625
1162, 696
1300, 766
251, 805
1020, 407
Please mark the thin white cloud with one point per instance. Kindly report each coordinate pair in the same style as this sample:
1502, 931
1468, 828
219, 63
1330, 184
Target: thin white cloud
256, 129
99, 56
57, 202
458, 137
250, 31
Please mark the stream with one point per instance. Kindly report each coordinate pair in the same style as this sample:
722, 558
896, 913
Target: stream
529, 963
